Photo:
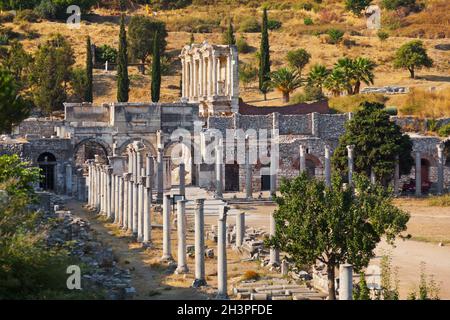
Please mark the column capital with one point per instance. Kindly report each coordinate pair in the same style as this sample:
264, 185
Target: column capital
223, 212
127, 176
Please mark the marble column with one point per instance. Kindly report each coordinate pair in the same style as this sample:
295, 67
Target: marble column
182, 173
200, 279
440, 169
113, 196
274, 253
273, 174
248, 172
181, 231
397, 176
109, 193
214, 76
126, 200
120, 201
373, 178
240, 228
302, 159
328, 166
222, 254
116, 199
102, 191
160, 176
219, 169
90, 183
140, 209
131, 203
346, 282
135, 186
350, 156
167, 247
209, 75
150, 170
68, 179
418, 174
147, 211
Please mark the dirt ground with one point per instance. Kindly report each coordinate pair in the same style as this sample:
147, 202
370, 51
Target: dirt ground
150, 278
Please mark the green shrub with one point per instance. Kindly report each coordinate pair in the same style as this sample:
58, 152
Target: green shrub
382, 35
27, 15
392, 111
444, 131
440, 201
274, 24
243, 46
310, 93
47, 9
106, 53
335, 35
250, 25
247, 73
308, 21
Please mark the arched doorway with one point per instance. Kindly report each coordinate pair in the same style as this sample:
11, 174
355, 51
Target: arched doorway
88, 149
313, 165
47, 163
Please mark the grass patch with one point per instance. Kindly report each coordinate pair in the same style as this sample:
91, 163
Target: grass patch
251, 275
439, 201
422, 103
351, 103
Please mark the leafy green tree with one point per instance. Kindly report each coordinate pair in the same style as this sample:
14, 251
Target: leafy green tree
105, 53
317, 75
377, 140
264, 61
363, 72
88, 95
362, 292
13, 109
141, 35
123, 82
228, 36
335, 82
286, 81
79, 83
334, 225
247, 73
412, 55
335, 35
356, 6
156, 70
347, 73
298, 59
18, 62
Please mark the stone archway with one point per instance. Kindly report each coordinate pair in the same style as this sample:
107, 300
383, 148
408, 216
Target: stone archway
122, 150
47, 163
88, 148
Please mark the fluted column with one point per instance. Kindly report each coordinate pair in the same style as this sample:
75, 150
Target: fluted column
222, 254
200, 279
181, 230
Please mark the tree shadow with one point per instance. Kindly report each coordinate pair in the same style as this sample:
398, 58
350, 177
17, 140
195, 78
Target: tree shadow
435, 78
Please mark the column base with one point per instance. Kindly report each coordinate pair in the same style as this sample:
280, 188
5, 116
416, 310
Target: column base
167, 259
147, 245
199, 283
181, 270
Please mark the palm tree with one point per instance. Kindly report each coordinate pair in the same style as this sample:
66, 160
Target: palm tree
347, 70
363, 68
286, 81
335, 82
317, 75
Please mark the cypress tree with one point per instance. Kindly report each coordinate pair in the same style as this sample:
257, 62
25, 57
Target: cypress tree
228, 37
264, 62
123, 82
156, 70
88, 96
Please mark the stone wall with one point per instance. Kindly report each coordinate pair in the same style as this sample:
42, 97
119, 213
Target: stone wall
37, 127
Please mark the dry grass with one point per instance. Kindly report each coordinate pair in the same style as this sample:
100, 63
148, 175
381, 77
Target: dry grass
439, 201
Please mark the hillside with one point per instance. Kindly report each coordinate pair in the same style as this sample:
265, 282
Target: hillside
208, 21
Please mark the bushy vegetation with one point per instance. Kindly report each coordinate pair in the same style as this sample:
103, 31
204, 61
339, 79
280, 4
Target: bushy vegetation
105, 53
440, 201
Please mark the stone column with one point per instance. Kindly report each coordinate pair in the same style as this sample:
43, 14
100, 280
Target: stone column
140, 209
150, 174
181, 230
68, 179
397, 176
126, 199
131, 203
147, 237
98, 187
209, 75
90, 183
440, 169
418, 174
214, 76
109, 193
328, 166
119, 206
373, 178
160, 176
191, 78
350, 155
219, 169
274, 253
167, 248
182, 173
183, 77
346, 282
240, 228
248, 171
222, 254
116, 199
273, 173
113, 196
200, 279
302, 159
102, 191
135, 208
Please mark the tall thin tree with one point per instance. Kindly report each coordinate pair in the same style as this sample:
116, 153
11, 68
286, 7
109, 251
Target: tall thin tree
123, 82
228, 37
156, 70
88, 95
264, 62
